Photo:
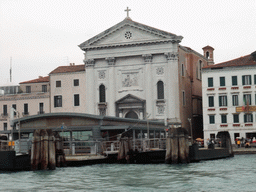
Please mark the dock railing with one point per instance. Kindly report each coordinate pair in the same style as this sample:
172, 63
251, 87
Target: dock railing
81, 147
137, 145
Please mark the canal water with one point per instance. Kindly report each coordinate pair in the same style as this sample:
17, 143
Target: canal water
232, 174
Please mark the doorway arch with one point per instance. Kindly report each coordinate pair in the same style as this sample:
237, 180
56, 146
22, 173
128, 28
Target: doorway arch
131, 115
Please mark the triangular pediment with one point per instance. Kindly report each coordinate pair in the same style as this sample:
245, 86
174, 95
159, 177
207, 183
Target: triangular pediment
130, 99
128, 32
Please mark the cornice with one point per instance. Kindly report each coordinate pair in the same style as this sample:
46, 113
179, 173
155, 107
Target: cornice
131, 44
24, 98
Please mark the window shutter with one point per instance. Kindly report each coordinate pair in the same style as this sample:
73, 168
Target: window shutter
245, 118
243, 80
220, 101
250, 79
255, 79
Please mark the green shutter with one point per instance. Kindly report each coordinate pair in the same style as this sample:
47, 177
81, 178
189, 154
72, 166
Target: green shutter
255, 79
222, 81
210, 82
234, 80
243, 80
250, 79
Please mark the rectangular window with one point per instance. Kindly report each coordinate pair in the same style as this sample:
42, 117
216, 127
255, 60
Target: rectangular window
76, 100
58, 83
41, 108
234, 80
235, 100
246, 80
28, 89
247, 99
5, 110
254, 79
211, 101
236, 118
14, 107
183, 98
212, 119
58, 101
44, 88
223, 118
5, 126
223, 101
25, 109
210, 82
76, 82
222, 81
248, 118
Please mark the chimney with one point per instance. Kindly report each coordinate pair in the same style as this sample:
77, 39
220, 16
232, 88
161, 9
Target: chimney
208, 53
40, 77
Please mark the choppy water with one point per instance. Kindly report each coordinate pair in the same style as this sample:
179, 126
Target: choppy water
233, 174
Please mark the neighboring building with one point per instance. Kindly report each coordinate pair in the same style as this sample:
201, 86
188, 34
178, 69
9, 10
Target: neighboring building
68, 89
29, 98
229, 98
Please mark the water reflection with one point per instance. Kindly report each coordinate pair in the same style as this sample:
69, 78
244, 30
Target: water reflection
219, 175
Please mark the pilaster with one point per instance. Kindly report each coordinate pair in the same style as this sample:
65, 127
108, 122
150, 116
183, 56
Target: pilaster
172, 86
149, 84
111, 92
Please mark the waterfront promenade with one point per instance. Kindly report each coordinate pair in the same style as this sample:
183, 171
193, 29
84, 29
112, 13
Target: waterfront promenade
243, 150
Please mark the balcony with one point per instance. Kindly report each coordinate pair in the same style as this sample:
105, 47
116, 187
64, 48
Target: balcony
236, 125
223, 109
234, 88
211, 109
222, 88
223, 125
248, 124
4, 114
210, 89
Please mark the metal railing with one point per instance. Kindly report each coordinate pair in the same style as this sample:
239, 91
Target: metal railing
81, 147
137, 145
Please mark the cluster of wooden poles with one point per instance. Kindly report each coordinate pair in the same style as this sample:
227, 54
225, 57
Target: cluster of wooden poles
177, 146
47, 150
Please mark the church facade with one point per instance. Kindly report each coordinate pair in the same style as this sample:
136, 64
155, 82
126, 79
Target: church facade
136, 71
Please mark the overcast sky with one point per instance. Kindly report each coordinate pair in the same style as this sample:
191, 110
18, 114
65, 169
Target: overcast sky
41, 35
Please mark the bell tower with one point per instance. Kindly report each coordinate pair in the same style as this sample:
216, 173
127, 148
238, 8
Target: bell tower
208, 53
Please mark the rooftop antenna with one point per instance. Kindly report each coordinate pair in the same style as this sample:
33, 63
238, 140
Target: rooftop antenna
10, 69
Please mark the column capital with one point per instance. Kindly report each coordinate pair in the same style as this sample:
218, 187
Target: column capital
172, 55
110, 60
147, 58
89, 62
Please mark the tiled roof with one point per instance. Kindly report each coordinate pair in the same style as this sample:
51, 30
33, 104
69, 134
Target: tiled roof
38, 80
241, 61
68, 69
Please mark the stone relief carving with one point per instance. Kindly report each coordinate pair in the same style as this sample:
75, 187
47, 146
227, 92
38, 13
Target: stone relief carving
102, 74
171, 55
130, 79
160, 109
159, 70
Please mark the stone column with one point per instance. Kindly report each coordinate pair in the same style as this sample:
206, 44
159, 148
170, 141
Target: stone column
90, 87
172, 86
111, 89
148, 85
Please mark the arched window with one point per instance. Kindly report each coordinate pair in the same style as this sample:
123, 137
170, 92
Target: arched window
207, 55
160, 90
102, 94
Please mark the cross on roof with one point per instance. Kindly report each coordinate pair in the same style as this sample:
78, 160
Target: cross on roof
127, 10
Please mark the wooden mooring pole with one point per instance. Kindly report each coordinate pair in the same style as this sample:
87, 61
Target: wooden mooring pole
46, 151
177, 148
